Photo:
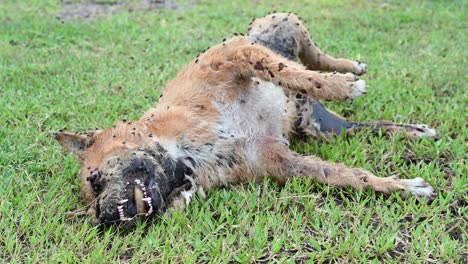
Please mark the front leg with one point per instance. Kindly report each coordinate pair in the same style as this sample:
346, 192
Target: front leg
283, 164
240, 59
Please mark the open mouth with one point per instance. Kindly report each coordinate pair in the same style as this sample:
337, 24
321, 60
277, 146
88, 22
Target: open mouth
142, 202
145, 200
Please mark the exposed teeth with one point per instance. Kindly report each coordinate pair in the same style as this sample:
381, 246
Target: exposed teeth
150, 209
121, 213
138, 181
123, 201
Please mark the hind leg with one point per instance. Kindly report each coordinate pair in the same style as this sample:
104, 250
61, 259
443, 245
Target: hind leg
315, 120
285, 34
282, 164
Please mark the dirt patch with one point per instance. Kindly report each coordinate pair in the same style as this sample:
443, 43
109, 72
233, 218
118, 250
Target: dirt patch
127, 254
94, 9
455, 230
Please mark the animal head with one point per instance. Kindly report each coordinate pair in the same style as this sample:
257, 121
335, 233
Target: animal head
125, 172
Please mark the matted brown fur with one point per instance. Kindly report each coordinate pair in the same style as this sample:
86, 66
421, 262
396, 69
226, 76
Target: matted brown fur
226, 118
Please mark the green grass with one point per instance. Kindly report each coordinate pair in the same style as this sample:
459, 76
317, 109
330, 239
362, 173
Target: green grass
86, 74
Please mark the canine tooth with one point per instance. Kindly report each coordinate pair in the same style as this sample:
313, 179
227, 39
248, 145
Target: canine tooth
123, 201
146, 199
120, 207
150, 210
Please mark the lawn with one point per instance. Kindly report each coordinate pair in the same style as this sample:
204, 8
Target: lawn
79, 72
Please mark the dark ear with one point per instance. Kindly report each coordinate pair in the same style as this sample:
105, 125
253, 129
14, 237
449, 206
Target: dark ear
74, 142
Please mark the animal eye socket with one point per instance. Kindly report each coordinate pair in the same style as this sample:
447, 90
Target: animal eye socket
95, 175
96, 180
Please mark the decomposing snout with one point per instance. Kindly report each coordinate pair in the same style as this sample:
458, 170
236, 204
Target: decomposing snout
134, 186
126, 190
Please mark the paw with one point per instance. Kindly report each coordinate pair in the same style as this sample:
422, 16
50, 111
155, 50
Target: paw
358, 88
359, 68
421, 131
419, 187
347, 86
